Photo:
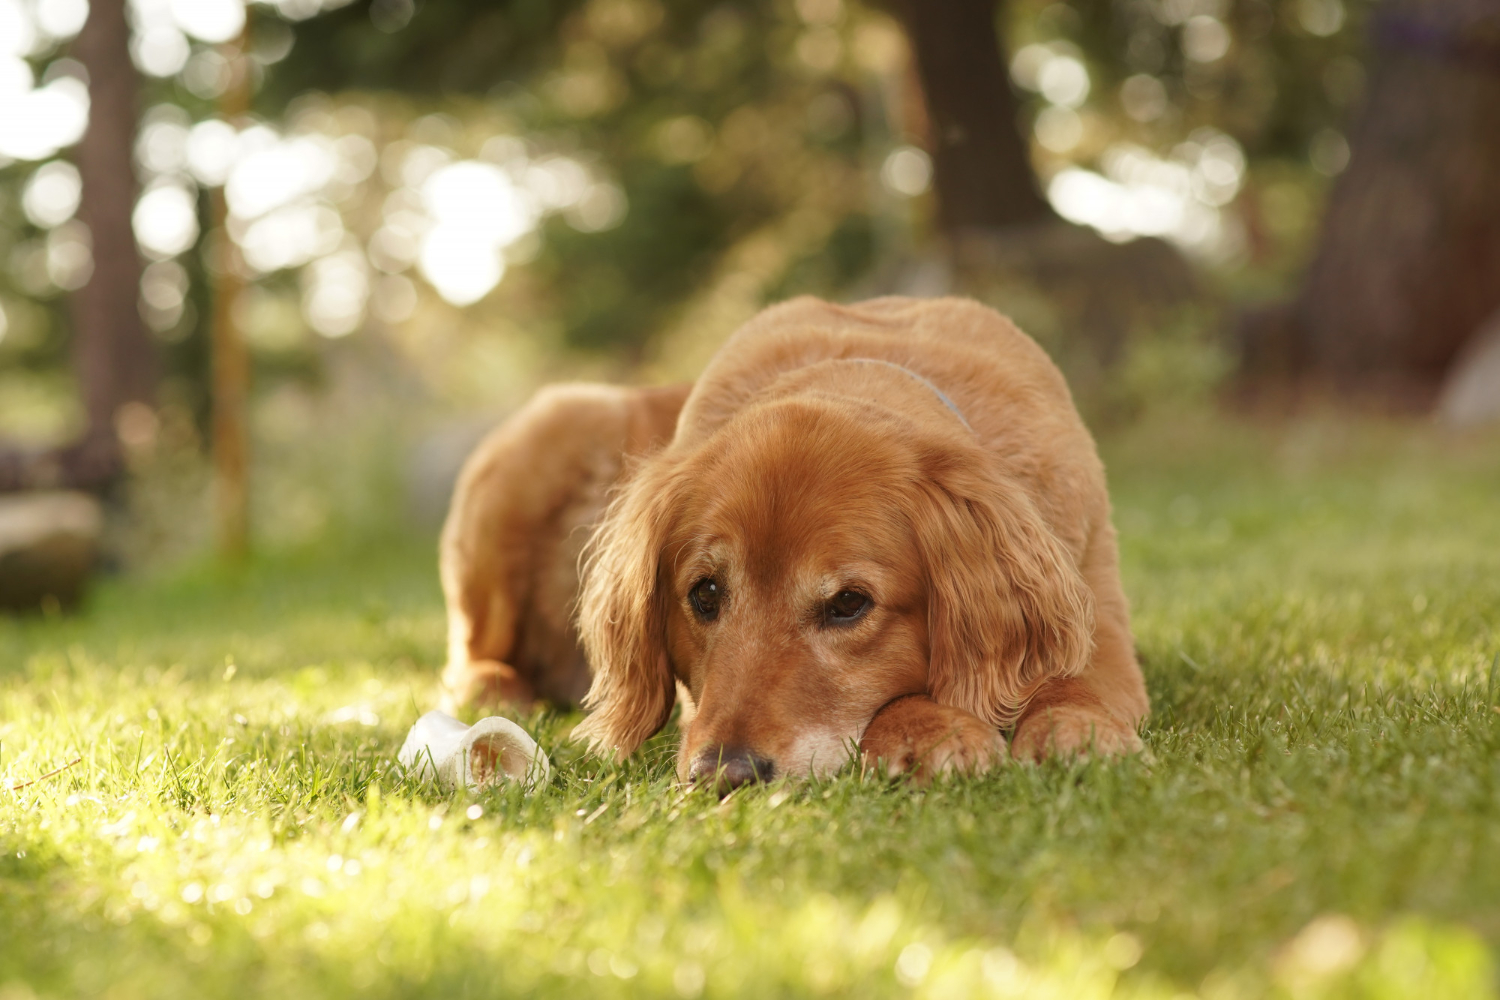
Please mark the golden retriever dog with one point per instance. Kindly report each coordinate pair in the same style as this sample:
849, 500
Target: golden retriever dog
880, 526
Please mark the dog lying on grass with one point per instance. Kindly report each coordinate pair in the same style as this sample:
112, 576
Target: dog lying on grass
880, 525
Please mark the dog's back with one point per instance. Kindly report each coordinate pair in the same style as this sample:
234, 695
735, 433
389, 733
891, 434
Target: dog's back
997, 378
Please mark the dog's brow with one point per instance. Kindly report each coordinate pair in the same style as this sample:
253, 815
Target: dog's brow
924, 380
699, 546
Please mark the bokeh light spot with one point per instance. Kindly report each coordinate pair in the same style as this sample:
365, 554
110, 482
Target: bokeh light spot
51, 195
166, 220
907, 171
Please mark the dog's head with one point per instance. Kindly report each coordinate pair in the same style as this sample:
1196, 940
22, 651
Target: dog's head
807, 564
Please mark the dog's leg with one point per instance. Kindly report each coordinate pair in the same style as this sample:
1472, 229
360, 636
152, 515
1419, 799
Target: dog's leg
477, 673
1099, 710
483, 571
508, 556
917, 736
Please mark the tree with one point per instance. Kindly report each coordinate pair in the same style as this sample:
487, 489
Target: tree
981, 166
1408, 261
113, 356
1003, 241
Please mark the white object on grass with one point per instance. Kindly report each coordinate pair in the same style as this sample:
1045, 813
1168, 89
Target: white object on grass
1471, 391
487, 753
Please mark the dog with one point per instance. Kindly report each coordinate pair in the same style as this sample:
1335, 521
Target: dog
881, 526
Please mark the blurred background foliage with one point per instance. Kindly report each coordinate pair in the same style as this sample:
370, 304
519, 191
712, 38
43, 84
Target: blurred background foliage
436, 205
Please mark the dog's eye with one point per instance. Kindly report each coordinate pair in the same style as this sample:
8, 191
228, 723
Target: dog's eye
704, 598
846, 606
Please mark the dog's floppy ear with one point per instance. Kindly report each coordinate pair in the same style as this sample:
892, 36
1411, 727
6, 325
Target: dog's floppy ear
1007, 608
621, 617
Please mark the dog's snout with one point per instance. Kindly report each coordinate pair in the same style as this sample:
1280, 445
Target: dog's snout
728, 768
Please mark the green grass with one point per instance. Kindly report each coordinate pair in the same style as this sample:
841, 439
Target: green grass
1318, 814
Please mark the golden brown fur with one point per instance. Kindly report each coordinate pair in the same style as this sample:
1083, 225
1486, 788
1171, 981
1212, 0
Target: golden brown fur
818, 457
522, 509
925, 455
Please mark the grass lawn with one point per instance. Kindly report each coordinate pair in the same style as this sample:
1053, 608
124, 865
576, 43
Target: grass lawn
1318, 814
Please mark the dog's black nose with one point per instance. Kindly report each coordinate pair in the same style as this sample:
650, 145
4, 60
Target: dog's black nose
728, 768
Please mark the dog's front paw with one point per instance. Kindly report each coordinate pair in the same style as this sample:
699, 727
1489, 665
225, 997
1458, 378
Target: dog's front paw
919, 737
1071, 730
483, 685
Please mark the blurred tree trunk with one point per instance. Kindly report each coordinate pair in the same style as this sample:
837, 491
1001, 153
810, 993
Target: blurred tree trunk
231, 360
1002, 243
114, 359
113, 355
981, 165
1408, 262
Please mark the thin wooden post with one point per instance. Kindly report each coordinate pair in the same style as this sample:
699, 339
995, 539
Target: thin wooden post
231, 361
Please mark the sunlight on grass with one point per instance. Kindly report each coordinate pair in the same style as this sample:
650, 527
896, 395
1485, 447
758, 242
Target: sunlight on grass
1318, 813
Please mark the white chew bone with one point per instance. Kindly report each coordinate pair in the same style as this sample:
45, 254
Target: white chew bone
489, 752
